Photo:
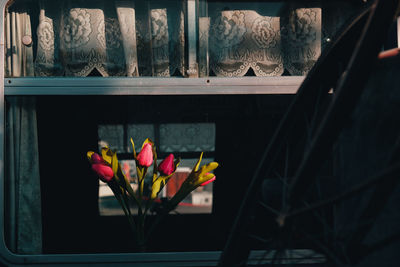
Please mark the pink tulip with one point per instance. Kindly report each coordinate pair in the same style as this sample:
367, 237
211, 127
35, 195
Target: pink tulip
167, 166
104, 172
96, 158
209, 181
145, 157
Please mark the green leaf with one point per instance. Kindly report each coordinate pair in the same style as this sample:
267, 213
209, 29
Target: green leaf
177, 198
89, 155
176, 163
148, 140
106, 154
209, 167
204, 178
154, 161
133, 147
155, 176
129, 188
156, 188
196, 167
114, 163
139, 172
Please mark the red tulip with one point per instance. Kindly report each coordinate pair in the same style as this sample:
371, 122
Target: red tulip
167, 166
104, 172
145, 157
209, 181
96, 158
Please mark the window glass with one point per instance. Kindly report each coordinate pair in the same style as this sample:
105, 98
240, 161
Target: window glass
112, 136
187, 137
169, 38
185, 140
139, 133
47, 138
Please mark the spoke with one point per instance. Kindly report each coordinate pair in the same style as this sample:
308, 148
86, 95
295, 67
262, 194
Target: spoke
328, 252
348, 91
269, 208
320, 218
390, 173
357, 53
265, 241
381, 244
286, 173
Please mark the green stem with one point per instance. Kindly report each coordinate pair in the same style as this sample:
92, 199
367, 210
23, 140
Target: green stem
125, 207
141, 215
141, 187
153, 226
146, 209
140, 237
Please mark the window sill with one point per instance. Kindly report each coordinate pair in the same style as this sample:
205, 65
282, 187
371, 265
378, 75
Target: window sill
210, 258
151, 86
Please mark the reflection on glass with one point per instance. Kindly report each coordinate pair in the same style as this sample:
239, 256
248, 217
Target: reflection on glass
197, 137
186, 140
139, 133
199, 201
111, 136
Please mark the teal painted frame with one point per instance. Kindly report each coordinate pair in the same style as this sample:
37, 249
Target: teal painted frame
151, 86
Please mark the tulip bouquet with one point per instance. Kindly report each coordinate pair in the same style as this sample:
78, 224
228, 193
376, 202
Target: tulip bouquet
109, 170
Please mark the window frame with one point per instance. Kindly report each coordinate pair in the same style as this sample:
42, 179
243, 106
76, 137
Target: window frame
151, 86
125, 86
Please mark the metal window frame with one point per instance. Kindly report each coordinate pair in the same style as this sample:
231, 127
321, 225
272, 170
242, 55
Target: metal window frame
151, 86
121, 86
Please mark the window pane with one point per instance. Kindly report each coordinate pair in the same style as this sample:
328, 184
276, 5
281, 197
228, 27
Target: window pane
199, 201
97, 38
53, 160
135, 38
112, 136
265, 38
139, 133
187, 137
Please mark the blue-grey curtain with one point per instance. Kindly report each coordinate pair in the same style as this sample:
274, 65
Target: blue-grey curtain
22, 182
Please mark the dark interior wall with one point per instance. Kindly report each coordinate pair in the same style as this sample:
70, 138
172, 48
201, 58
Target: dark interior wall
68, 129
66, 132
367, 147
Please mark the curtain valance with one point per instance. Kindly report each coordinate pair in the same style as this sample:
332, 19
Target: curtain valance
118, 38
150, 38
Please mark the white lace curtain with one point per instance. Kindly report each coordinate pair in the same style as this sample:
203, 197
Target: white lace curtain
268, 38
117, 38
244, 39
149, 38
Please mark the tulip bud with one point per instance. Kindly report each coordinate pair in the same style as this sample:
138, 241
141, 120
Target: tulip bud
167, 166
145, 157
209, 181
96, 158
104, 172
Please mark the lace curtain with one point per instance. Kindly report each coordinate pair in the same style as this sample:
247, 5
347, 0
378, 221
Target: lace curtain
117, 38
150, 38
171, 137
268, 38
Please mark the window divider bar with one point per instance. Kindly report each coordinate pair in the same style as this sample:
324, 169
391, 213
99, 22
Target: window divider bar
192, 71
